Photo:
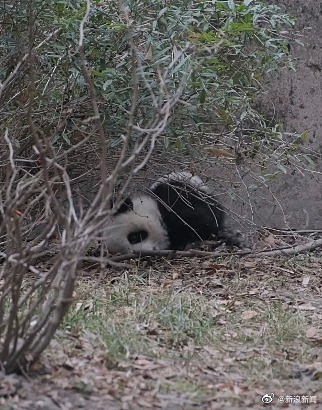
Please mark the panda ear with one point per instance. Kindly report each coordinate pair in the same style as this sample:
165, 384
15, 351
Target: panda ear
126, 206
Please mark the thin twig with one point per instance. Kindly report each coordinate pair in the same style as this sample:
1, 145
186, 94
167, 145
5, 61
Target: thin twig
288, 250
13, 73
293, 250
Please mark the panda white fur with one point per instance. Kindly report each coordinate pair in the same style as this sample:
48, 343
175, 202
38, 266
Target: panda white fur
176, 210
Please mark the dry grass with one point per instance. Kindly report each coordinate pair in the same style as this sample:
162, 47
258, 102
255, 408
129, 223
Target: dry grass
187, 333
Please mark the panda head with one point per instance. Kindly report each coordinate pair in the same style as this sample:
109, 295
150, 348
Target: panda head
137, 226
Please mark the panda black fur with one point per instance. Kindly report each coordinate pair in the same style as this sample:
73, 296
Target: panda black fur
177, 209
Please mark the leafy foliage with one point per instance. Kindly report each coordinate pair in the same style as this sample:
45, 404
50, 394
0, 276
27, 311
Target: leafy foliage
222, 47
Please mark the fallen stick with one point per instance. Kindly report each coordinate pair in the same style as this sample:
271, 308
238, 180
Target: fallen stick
289, 250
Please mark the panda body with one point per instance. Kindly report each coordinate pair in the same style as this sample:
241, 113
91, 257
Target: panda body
176, 210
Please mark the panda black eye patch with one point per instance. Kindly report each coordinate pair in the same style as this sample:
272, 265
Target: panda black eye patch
137, 237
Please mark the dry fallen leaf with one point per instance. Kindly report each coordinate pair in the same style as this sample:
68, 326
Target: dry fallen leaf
145, 364
176, 275
148, 54
314, 334
311, 332
248, 314
306, 306
269, 240
214, 266
305, 280
84, 306
213, 352
249, 264
195, 35
218, 152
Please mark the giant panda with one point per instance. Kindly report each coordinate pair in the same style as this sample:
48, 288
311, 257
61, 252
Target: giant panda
176, 210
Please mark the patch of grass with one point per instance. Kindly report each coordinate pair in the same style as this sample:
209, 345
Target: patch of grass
208, 335
282, 325
130, 321
183, 317
274, 325
190, 389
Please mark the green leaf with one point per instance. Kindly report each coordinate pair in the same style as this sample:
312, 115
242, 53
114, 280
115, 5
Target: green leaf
179, 143
97, 73
202, 96
225, 117
65, 138
162, 12
309, 159
282, 168
236, 27
304, 136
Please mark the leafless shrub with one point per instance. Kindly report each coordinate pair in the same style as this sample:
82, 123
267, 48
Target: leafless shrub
40, 218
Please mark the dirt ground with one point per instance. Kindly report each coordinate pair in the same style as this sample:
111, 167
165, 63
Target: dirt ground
293, 98
185, 333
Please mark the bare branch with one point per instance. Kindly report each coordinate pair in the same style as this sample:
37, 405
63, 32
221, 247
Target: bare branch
14, 72
292, 250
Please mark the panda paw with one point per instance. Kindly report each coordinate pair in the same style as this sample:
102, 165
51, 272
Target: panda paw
234, 238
